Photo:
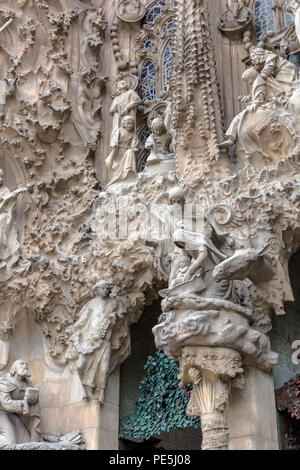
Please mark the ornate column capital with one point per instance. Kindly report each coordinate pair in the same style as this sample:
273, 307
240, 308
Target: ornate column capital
210, 371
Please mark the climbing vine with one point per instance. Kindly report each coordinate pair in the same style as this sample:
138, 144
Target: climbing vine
162, 404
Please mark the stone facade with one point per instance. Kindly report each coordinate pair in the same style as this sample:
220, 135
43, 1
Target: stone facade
131, 172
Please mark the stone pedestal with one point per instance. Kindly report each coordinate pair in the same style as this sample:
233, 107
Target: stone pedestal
252, 413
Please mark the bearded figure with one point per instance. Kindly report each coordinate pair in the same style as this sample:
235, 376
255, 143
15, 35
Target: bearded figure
19, 409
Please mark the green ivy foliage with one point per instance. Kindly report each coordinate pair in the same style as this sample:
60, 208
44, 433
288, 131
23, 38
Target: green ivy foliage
162, 404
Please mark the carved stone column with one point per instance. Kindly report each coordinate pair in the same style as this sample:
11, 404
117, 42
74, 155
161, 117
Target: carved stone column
210, 371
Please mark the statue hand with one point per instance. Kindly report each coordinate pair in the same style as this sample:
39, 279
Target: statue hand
252, 107
187, 276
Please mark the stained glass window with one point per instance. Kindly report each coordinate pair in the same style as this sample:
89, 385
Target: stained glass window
144, 134
167, 62
147, 43
153, 12
289, 18
168, 26
148, 91
295, 59
264, 17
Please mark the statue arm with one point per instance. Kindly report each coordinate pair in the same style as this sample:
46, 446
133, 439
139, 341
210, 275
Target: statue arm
203, 253
83, 314
12, 406
136, 101
12, 196
135, 144
114, 107
149, 143
269, 68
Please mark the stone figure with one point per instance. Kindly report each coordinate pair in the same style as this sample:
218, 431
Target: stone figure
90, 340
259, 131
293, 6
125, 104
130, 10
161, 158
179, 269
19, 409
257, 98
197, 276
130, 7
8, 230
278, 73
20, 416
236, 17
122, 159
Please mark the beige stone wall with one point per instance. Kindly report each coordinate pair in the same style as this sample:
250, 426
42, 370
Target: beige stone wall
61, 402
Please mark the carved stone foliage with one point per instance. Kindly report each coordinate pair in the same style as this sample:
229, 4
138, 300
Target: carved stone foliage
51, 257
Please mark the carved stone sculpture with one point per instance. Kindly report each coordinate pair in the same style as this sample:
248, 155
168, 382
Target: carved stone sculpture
20, 416
19, 411
8, 230
122, 159
267, 128
125, 104
130, 11
212, 372
91, 340
293, 6
161, 158
236, 18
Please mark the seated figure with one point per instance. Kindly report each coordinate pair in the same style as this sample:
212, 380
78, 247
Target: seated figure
122, 159
263, 132
19, 409
20, 416
161, 158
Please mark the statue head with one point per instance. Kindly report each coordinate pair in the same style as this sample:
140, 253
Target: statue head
258, 56
103, 288
20, 368
176, 195
250, 75
184, 261
129, 123
158, 126
122, 86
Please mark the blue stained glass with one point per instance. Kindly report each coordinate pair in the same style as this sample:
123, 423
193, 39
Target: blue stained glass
144, 134
168, 26
167, 63
264, 17
295, 59
289, 18
148, 91
147, 43
153, 12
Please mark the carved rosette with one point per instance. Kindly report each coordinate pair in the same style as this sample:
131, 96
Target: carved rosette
210, 371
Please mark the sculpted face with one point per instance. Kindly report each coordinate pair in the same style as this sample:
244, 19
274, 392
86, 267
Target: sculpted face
158, 126
103, 289
122, 86
21, 368
129, 124
258, 56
